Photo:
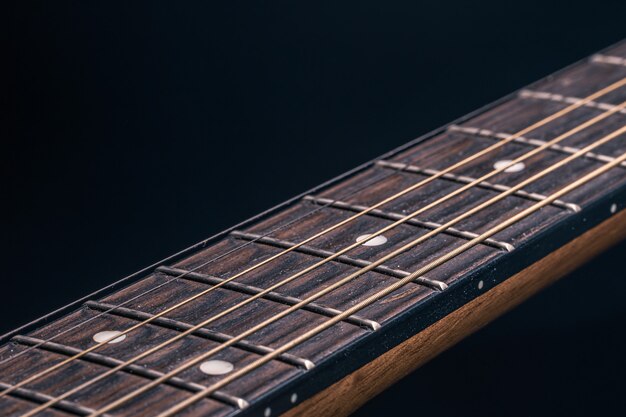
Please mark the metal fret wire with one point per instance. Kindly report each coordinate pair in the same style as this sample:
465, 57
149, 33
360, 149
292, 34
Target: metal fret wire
212, 260
351, 277
30, 379
497, 145
296, 307
375, 297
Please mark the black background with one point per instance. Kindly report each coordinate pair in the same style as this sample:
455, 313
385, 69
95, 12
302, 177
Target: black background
136, 129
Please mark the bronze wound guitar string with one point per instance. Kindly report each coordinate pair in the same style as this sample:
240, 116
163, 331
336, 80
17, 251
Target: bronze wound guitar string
202, 265
214, 318
182, 275
497, 145
399, 284
354, 275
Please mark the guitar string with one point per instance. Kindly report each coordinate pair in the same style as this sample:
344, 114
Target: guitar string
182, 275
542, 122
351, 277
273, 319
375, 297
152, 350
37, 345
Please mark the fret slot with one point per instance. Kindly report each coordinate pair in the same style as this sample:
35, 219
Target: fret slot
360, 263
488, 134
272, 296
388, 215
204, 333
608, 59
134, 369
485, 184
39, 398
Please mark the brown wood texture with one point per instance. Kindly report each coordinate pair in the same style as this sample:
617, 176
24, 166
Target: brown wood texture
347, 395
236, 252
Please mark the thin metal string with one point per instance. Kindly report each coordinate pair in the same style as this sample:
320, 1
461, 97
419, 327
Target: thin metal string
181, 335
202, 265
399, 284
484, 151
182, 275
351, 277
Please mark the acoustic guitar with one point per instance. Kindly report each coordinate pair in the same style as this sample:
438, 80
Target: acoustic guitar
317, 305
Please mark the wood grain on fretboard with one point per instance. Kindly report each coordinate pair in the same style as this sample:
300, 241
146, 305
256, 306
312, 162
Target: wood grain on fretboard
328, 207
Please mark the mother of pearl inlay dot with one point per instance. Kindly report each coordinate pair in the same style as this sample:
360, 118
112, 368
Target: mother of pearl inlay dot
513, 168
215, 367
108, 336
375, 241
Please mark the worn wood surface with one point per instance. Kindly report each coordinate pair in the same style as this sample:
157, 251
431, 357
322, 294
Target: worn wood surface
238, 251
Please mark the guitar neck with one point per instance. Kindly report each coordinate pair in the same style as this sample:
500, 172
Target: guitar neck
319, 304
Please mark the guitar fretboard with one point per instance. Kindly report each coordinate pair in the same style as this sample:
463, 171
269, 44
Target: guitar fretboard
196, 308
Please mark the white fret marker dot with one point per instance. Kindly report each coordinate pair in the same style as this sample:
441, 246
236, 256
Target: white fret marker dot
294, 398
216, 367
513, 168
613, 208
481, 284
109, 337
375, 241
267, 412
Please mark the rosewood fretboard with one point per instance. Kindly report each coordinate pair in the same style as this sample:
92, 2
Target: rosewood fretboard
353, 341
